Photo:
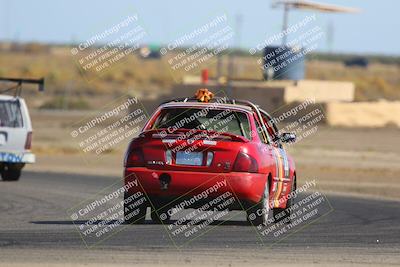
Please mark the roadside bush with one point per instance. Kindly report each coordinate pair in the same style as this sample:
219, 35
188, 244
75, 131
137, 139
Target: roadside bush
62, 102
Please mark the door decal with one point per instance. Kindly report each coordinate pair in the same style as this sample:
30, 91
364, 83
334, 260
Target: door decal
282, 172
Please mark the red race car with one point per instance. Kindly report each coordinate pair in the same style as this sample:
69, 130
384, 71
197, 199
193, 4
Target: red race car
195, 150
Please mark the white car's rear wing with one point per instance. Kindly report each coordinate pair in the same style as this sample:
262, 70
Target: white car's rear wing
19, 82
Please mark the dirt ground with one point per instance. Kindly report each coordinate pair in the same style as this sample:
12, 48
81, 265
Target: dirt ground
298, 257
357, 161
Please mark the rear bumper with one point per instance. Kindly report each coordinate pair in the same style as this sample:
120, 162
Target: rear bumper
246, 187
17, 157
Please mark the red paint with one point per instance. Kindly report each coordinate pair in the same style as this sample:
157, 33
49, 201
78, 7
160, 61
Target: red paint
245, 164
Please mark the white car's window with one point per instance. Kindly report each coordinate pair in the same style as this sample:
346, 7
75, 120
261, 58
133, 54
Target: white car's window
10, 114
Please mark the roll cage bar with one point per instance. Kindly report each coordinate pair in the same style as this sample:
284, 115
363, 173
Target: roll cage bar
255, 108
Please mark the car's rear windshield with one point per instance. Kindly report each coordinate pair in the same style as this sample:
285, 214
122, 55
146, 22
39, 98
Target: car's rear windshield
10, 114
219, 120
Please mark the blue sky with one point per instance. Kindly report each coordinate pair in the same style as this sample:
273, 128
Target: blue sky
374, 30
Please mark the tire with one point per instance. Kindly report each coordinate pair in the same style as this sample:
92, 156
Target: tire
160, 215
11, 173
134, 215
259, 214
284, 214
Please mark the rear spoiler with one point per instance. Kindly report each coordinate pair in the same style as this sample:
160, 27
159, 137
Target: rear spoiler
156, 134
19, 82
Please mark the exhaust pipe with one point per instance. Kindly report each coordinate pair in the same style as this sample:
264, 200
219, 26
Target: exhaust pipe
165, 180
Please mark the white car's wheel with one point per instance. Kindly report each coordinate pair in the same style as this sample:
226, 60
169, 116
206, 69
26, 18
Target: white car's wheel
11, 173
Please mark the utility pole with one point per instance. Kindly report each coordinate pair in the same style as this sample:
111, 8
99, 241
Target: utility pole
236, 44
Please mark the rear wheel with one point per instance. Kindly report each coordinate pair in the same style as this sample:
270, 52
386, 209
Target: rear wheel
259, 214
11, 172
281, 214
160, 215
133, 213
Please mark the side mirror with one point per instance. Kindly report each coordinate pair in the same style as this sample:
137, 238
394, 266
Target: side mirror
288, 138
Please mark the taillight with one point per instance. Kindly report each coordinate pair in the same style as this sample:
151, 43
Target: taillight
245, 163
28, 142
135, 158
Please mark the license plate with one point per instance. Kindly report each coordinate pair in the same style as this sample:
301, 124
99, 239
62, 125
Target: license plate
189, 158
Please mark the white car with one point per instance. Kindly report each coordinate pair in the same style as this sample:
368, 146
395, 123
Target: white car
15, 137
15, 129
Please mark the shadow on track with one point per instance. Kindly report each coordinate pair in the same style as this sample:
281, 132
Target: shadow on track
147, 222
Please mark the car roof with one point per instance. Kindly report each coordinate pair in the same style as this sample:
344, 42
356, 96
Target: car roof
7, 97
205, 105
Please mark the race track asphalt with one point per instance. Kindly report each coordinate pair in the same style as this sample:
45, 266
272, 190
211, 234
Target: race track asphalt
35, 227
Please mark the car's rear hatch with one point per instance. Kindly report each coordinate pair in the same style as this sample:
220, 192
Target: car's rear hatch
204, 151
13, 133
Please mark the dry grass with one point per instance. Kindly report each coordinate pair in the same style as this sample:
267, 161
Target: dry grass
149, 77
372, 83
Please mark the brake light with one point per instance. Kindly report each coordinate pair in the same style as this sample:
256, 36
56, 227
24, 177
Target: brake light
28, 142
135, 158
245, 163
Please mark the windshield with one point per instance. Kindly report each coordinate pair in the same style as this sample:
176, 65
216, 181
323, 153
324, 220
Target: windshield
10, 114
219, 120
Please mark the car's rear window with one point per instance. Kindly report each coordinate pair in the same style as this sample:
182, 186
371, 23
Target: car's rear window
219, 120
10, 114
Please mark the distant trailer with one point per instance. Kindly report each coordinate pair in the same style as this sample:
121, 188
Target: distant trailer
356, 62
283, 63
